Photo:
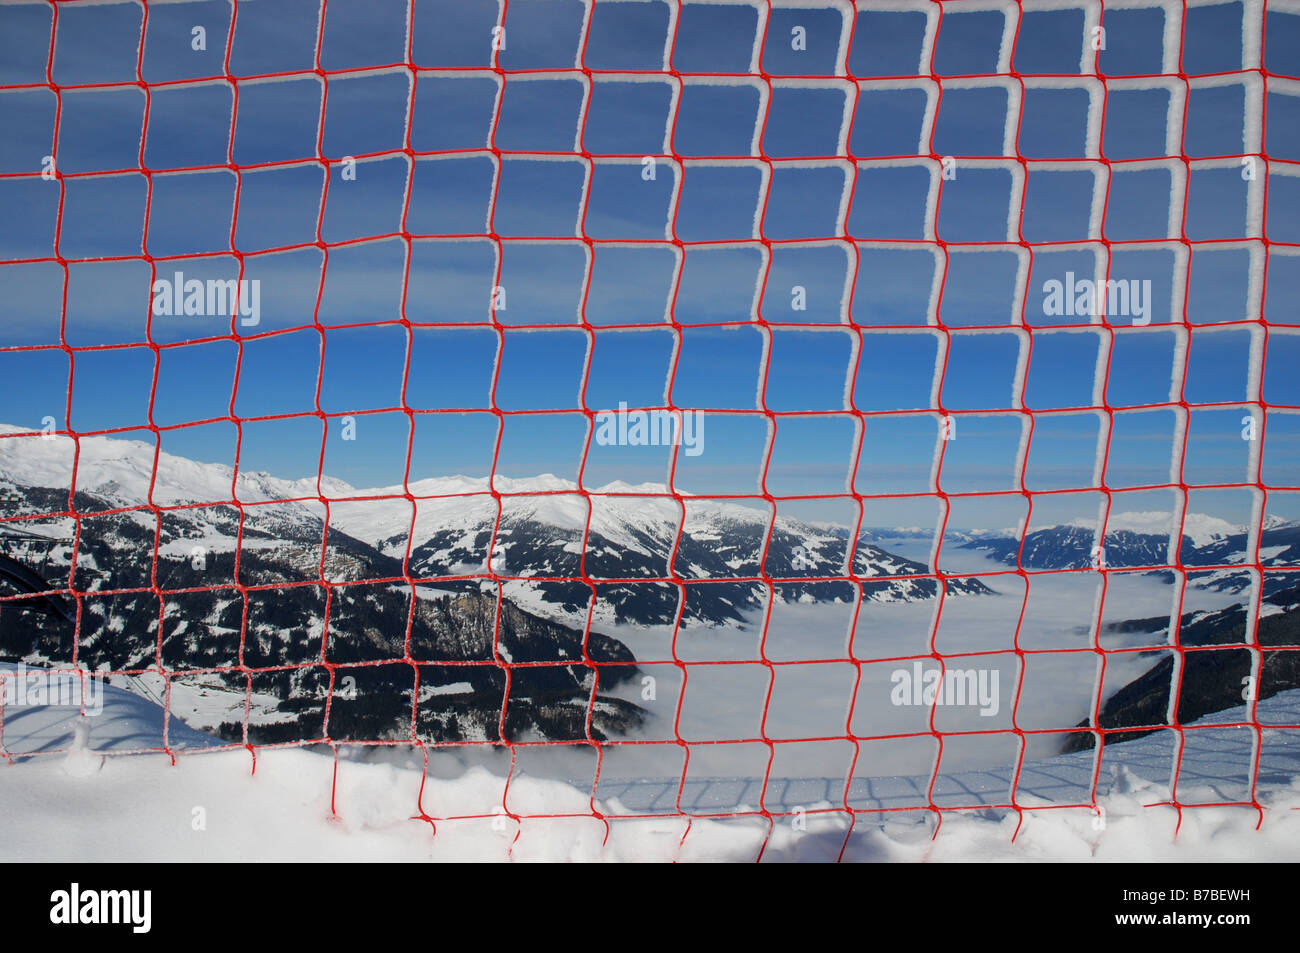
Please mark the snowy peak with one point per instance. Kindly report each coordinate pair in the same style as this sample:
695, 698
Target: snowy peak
132, 471
1201, 528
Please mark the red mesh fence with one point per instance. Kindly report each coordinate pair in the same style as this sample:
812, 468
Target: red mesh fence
158, 265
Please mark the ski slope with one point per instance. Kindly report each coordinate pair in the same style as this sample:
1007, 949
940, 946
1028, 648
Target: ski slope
71, 802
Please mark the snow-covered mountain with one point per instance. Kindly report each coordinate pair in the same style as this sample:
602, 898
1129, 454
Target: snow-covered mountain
1136, 540
408, 611
451, 532
235, 608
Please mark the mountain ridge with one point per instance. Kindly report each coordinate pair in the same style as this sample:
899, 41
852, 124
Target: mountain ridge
545, 536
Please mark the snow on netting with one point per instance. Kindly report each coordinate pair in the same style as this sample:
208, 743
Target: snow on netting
873, 62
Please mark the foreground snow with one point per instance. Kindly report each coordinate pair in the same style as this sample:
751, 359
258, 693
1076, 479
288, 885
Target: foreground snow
67, 803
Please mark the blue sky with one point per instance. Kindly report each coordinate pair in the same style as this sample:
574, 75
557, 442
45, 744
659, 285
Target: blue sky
449, 278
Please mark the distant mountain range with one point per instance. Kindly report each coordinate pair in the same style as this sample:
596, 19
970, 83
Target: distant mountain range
247, 555
1131, 543
445, 535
